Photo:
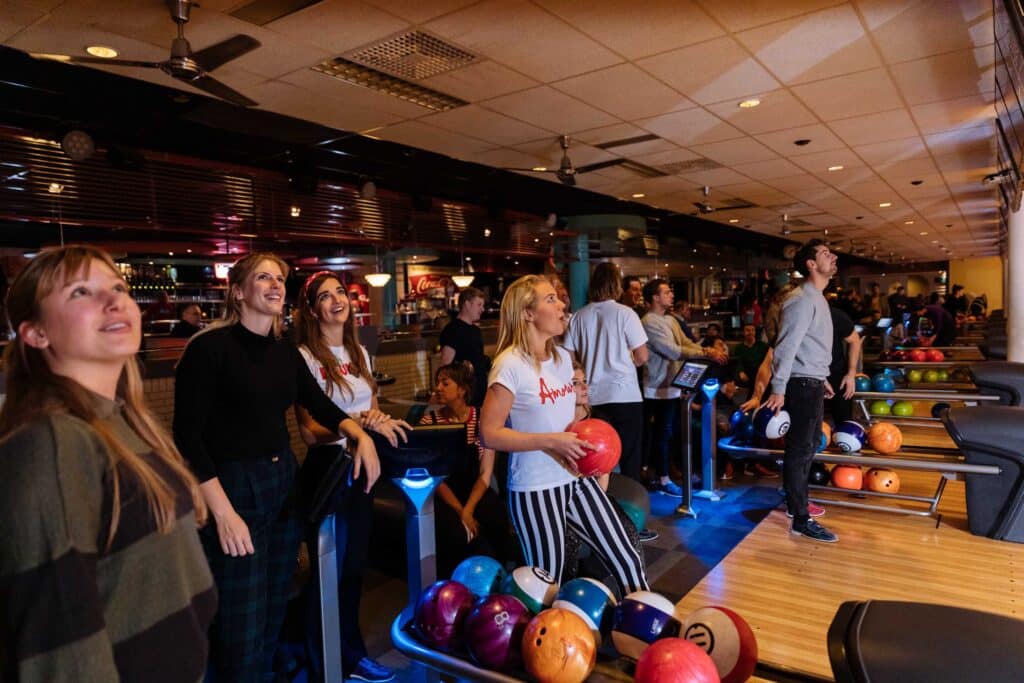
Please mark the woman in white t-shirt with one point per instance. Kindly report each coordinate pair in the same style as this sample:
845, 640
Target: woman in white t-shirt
326, 334
530, 401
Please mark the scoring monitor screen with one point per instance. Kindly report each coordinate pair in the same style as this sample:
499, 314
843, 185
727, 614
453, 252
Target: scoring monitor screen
690, 375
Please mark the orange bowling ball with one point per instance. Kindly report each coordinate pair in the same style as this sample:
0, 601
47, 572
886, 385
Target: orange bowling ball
847, 477
882, 480
884, 437
558, 647
826, 429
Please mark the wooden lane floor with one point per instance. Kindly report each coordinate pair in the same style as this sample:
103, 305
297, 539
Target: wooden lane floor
789, 588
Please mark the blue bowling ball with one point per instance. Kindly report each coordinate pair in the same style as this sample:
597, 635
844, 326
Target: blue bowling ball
849, 436
863, 383
939, 408
770, 425
822, 442
883, 382
741, 426
481, 574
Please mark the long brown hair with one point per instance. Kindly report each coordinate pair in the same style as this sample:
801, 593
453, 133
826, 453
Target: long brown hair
34, 391
238, 275
308, 334
521, 296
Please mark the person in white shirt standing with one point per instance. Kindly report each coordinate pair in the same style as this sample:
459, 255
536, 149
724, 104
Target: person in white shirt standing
529, 404
611, 344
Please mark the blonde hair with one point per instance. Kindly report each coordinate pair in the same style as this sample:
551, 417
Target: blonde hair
513, 329
238, 276
34, 391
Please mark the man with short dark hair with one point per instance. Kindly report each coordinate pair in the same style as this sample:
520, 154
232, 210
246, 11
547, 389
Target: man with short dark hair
800, 368
461, 340
633, 295
942, 326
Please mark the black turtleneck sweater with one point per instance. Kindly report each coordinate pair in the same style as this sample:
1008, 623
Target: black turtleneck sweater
232, 391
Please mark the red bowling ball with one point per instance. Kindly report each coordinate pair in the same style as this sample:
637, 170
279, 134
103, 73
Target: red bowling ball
935, 355
675, 660
440, 614
607, 446
918, 356
494, 631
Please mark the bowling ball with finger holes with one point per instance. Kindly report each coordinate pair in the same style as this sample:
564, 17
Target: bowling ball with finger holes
607, 446
769, 424
849, 436
481, 574
883, 383
863, 383
590, 600
847, 477
727, 638
640, 619
440, 613
939, 408
531, 585
741, 426
494, 631
885, 438
819, 474
881, 480
558, 647
675, 660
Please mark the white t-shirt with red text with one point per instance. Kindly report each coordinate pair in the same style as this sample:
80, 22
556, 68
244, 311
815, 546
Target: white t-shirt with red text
361, 398
542, 402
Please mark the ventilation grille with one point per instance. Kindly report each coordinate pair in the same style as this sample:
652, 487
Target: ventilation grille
735, 203
350, 72
611, 144
413, 56
690, 166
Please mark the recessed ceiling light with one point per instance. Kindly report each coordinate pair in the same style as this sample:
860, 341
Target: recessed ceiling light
916, 182
734, 220
802, 142
860, 218
749, 104
638, 195
539, 169
101, 51
908, 222
884, 205
922, 233
837, 167
935, 241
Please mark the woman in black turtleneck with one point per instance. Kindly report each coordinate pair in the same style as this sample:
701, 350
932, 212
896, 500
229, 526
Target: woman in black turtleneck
233, 387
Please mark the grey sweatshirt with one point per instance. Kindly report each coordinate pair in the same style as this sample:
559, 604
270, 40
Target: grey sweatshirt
668, 347
804, 345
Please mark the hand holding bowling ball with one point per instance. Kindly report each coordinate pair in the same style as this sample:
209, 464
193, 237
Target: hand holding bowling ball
606, 446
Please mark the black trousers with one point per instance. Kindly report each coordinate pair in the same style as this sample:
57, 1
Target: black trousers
805, 403
353, 518
628, 420
664, 428
838, 407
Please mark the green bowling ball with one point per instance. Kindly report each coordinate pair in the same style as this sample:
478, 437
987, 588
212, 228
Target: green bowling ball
633, 511
943, 375
931, 376
903, 408
880, 408
915, 376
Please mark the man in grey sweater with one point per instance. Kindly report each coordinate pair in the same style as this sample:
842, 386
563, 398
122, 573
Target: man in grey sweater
800, 372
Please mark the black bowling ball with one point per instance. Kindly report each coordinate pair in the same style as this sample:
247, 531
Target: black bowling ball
819, 474
939, 408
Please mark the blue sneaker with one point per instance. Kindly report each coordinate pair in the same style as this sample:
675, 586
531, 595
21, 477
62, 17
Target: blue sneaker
369, 670
671, 489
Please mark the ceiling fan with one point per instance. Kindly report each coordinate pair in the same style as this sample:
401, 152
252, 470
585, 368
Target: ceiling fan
566, 172
191, 67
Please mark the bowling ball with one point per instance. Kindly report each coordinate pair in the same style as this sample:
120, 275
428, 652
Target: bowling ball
935, 355
591, 601
494, 631
943, 375
822, 442
931, 376
769, 424
675, 660
440, 613
741, 426
607, 446
482, 575
938, 409
915, 376
531, 585
883, 382
903, 408
863, 383
826, 436
900, 356
917, 356
847, 477
640, 619
848, 436
558, 647
880, 408
960, 375
819, 474
727, 638
885, 437
882, 480
633, 511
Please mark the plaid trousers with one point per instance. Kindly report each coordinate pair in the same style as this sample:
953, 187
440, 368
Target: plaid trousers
253, 589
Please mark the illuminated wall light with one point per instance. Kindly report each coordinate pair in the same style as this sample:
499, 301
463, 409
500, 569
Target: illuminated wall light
378, 279
55, 188
749, 104
487, 232
296, 212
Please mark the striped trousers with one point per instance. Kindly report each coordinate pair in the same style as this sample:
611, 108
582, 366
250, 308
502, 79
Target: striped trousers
541, 517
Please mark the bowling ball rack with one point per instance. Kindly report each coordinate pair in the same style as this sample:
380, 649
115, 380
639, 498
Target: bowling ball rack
862, 399
948, 462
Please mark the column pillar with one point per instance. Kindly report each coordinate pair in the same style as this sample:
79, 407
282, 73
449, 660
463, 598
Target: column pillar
579, 270
1014, 295
389, 294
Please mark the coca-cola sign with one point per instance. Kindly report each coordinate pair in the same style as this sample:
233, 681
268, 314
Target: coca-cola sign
424, 285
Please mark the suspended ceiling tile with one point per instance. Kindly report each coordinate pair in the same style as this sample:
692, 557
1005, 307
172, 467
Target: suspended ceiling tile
912, 29
732, 152
814, 46
549, 109
886, 125
658, 159
727, 71
550, 151
417, 11
318, 85
977, 137
637, 30
18, 15
690, 127
769, 169
636, 149
945, 77
431, 138
866, 92
505, 157
479, 81
737, 16
783, 141
603, 134
285, 98
778, 110
664, 185
746, 190
906, 169
819, 162
624, 91
795, 182
975, 159
524, 37
487, 125
341, 25
718, 176
882, 153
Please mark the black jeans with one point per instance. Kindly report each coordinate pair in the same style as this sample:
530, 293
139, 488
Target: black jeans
839, 408
628, 420
665, 412
805, 403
